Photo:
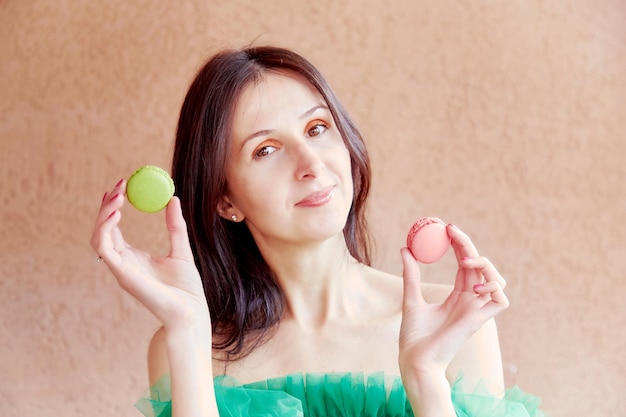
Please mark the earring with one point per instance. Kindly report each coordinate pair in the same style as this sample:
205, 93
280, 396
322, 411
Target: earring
233, 218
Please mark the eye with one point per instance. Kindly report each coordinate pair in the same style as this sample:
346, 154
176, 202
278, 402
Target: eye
317, 129
264, 151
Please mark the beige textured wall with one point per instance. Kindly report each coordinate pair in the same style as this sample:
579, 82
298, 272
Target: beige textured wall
506, 118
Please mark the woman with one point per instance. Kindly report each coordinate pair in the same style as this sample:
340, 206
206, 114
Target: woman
269, 276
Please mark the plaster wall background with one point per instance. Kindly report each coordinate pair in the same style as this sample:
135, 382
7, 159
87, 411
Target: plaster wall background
505, 118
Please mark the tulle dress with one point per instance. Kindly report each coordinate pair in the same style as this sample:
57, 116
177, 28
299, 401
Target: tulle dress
337, 395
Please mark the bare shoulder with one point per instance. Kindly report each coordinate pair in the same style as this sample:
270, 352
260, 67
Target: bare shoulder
386, 287
389, 285
158, 364
220, 358
479, 360
435, 293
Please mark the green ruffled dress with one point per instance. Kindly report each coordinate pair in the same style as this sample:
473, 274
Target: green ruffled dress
337, 395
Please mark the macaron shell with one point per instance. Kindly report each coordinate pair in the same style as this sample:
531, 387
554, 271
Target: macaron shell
150, 189
428, 240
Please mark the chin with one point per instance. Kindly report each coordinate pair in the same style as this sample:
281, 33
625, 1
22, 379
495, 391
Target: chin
324, 229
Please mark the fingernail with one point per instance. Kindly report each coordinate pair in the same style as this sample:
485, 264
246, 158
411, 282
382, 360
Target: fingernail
119, 183
478, 286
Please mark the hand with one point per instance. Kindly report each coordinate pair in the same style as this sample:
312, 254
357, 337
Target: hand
432, 334
169, 286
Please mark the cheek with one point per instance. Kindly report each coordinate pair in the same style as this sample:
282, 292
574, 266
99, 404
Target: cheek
342, 168
253, 195
346, 163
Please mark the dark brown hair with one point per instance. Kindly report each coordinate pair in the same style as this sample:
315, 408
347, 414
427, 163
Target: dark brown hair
244, 299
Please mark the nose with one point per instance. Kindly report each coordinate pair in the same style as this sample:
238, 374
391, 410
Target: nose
309, 163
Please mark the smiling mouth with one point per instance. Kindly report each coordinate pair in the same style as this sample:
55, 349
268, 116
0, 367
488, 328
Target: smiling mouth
318, 198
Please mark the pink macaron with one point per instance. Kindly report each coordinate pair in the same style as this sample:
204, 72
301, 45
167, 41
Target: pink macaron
428, 240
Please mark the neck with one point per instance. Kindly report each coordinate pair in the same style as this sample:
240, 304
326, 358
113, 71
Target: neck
317, 280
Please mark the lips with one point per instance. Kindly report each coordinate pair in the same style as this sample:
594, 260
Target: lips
318, 198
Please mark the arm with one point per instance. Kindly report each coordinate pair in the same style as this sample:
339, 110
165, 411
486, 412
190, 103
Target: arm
183, 354
170, 287
480, 361
439, 339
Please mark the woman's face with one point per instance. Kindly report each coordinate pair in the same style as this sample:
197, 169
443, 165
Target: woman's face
288, 172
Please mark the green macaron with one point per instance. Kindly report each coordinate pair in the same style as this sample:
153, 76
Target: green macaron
150, 189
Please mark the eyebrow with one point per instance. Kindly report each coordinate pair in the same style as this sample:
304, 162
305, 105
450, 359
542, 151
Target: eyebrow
304, 115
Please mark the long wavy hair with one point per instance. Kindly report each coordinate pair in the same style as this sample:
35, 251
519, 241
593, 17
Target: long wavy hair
244, 299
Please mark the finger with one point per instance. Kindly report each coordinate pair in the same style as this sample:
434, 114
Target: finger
487, 269
112, 204
104, 198
116, 203
111, 201
493, 294
119, 243
461, 243
105, 246
467, 277
464, 249
412, 280
177, 228
117, 190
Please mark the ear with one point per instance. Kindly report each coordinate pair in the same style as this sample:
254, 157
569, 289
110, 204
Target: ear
227, 210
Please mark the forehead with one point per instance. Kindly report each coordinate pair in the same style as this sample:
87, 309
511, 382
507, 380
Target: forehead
271, 99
